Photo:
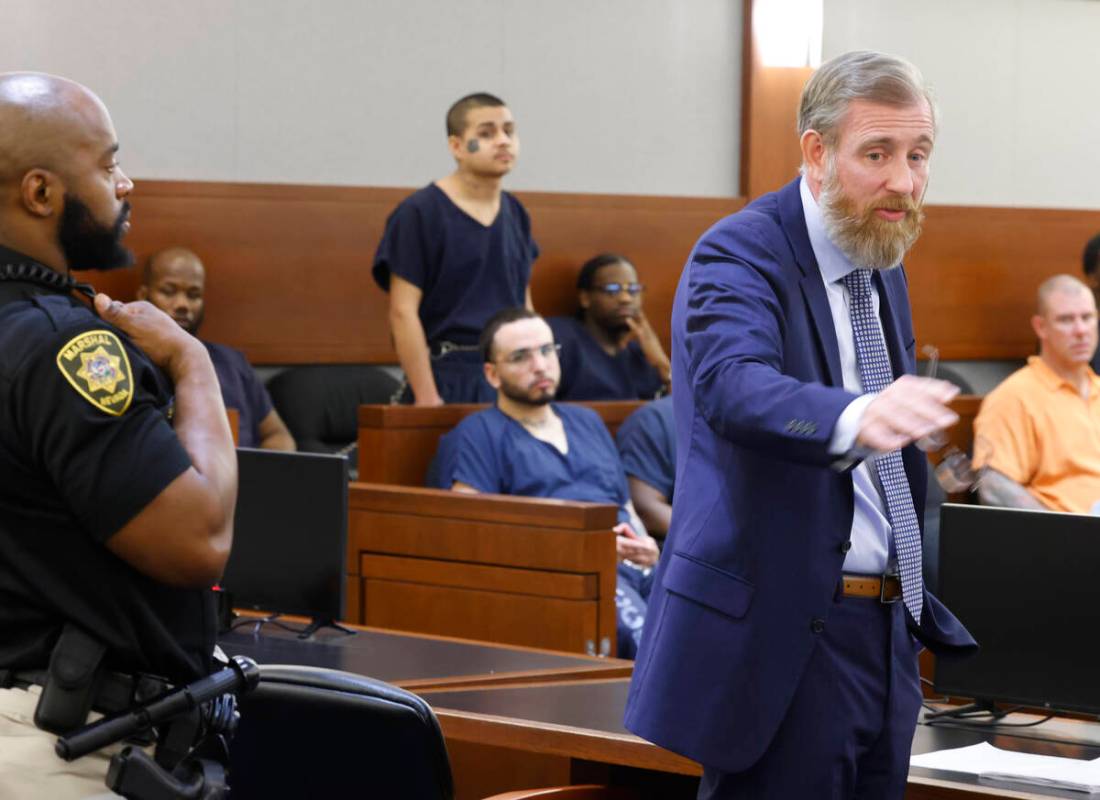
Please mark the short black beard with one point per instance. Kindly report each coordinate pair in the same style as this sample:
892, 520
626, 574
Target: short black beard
523, 398
89, 245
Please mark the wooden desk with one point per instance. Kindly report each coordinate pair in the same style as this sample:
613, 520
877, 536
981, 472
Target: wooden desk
397, 443
581, 722
525, 571
1059, 737
415, 661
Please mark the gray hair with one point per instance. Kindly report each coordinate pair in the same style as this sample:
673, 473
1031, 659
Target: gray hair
858, 75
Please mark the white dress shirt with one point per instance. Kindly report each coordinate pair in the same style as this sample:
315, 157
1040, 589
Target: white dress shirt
871, 533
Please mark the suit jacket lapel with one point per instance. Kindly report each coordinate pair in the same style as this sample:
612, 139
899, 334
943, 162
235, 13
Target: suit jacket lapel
812, 285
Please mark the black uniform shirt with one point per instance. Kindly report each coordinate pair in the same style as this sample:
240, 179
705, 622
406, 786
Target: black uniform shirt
85, 445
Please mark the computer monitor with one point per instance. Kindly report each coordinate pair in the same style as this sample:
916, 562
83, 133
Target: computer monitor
1025, 585
290, 534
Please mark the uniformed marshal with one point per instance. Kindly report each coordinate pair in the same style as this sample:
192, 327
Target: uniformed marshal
117, 467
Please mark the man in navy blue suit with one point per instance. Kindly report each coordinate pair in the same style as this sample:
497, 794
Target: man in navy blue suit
781, 644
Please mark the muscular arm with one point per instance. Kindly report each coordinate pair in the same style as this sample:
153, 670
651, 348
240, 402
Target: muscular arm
274, 434
652, 506
410, 342
184, 535
997, 489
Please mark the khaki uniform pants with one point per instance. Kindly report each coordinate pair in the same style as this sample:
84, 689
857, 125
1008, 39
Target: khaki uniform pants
29, 768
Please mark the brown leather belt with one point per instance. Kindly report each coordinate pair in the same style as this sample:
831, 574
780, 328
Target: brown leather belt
884, 588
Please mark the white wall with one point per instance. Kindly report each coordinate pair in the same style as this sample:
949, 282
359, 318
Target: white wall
1018, 83
615, 96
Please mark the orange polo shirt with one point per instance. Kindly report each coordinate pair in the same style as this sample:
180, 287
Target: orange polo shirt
1036, 429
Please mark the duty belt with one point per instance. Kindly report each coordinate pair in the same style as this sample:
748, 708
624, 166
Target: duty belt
115, 691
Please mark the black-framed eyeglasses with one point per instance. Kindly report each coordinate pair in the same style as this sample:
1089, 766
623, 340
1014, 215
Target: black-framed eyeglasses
612, 289
525, 354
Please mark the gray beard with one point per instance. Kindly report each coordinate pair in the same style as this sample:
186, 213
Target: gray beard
862, 249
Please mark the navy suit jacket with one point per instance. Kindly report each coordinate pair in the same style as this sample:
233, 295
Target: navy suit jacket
760, 519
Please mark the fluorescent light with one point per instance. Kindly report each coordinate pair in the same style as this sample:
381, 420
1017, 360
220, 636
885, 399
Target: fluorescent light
788, 32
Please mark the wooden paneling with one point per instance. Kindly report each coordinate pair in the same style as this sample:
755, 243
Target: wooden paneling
289, 266
494, 616
397, 443
974, 272
482, 770
568, 586
523, 571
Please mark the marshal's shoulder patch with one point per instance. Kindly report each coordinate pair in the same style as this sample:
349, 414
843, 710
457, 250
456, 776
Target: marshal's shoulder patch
96, 364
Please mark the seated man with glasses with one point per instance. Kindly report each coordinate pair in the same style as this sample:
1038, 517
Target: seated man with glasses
525, 445
609, 350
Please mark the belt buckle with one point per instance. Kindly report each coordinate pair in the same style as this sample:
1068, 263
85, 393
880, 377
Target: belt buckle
882, 588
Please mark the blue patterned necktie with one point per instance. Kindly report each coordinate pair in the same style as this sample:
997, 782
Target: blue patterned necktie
875, 375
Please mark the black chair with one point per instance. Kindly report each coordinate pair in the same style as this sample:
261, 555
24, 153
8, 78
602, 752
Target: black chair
320, 402
320, 733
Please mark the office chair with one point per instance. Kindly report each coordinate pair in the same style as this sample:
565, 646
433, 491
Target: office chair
320, 402
320, 733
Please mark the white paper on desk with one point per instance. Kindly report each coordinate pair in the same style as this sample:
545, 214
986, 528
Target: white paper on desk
987, 761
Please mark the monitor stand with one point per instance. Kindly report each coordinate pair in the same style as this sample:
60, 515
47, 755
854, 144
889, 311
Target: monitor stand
314, 625
966, 712
317, 623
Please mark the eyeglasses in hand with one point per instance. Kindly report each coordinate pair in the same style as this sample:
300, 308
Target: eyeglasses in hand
955, 471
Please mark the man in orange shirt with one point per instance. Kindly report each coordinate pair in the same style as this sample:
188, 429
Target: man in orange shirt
1038, 433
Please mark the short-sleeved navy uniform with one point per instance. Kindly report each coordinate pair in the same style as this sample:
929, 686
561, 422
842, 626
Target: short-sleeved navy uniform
647, 445
493, 453
241, 390
72, 473
589, 373
467, 272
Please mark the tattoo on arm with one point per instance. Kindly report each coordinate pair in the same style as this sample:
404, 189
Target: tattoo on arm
997, 489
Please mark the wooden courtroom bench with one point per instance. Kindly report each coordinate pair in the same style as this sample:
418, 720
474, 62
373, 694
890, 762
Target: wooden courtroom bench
397, 443
525, 571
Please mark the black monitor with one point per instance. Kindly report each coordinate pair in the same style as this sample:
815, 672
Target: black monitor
290, 534
1025, 583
